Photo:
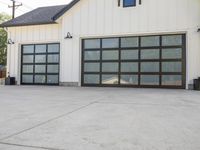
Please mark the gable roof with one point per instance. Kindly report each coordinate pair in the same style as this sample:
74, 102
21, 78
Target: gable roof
41, 15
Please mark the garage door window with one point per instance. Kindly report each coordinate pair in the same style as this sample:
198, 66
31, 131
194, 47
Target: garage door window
40, 64
142, 61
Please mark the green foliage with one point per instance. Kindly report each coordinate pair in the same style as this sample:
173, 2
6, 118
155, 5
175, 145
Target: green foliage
3, 39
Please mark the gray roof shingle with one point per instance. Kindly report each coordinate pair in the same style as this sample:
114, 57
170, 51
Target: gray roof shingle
41, 15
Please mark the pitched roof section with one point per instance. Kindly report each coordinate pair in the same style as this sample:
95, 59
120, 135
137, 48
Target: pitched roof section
69, 6
42, 15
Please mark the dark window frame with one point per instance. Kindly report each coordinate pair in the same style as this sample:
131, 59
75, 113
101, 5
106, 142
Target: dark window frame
45, 63
139, 73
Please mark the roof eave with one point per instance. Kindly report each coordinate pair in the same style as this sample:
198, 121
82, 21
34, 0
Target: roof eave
28, 24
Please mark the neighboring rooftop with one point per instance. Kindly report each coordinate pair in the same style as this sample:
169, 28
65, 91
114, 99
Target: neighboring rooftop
41, 15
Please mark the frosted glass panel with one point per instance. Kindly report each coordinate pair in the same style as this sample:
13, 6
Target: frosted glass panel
91, 79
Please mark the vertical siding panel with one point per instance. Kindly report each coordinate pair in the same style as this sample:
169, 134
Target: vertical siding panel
18, 35
8, 52
68, 49
134, 20
161, 16
75, 52
28, 32
48, 33
42, 33
143, 17
108, 17
12, 54
84, 18
24, 38
92, 17
152, 14
116, 18
16, 58
100, 17
35, 36
182, 13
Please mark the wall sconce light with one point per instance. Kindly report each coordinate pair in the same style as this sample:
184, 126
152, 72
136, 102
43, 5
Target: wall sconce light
119, 1
69, 36
10, 41
198, 30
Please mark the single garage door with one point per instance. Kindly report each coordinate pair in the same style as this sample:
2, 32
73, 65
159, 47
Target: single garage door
40, 64
142, 61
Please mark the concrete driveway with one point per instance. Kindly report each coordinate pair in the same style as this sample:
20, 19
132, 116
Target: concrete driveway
62, 118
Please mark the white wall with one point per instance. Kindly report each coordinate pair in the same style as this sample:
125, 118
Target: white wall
100, 18
28, 35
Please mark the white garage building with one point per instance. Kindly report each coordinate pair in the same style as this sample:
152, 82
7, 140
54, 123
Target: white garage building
129, 43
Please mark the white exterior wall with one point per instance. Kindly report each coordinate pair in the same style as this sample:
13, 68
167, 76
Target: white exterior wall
101, 18
28, 35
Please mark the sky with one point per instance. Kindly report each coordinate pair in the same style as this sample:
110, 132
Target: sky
28, 5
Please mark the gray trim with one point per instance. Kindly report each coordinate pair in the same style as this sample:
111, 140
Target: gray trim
28, 24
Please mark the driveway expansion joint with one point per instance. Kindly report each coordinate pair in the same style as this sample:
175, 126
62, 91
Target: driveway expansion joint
28, 146
48, 121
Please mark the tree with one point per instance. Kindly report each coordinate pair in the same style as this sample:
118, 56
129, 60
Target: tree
3, 39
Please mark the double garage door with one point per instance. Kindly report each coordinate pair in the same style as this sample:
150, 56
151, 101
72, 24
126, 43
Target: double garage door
40, 64
142, 61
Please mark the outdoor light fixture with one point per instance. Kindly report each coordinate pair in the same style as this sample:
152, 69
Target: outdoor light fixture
69, 36
10, 41
119, 1
198, 30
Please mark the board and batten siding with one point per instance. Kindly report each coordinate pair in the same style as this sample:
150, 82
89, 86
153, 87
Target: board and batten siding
103, 18
28, 35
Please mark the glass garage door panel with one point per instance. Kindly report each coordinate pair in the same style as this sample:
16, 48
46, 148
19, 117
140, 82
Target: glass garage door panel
172, 80
129, 42
92, 55
129, 67
129, 79
27, 78
149, 80
129, 54
40, 79
111, 79
40, 49
27, 68
141, 61
40, 64
92, 78
28, 49
172, 53
150, 54
110, 55
150, 67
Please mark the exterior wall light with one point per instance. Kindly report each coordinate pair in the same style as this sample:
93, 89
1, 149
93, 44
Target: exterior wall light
10, 42
69, 36
198, 30
119, 1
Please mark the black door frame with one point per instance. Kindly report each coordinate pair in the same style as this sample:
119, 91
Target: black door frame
160, 60
34, 54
